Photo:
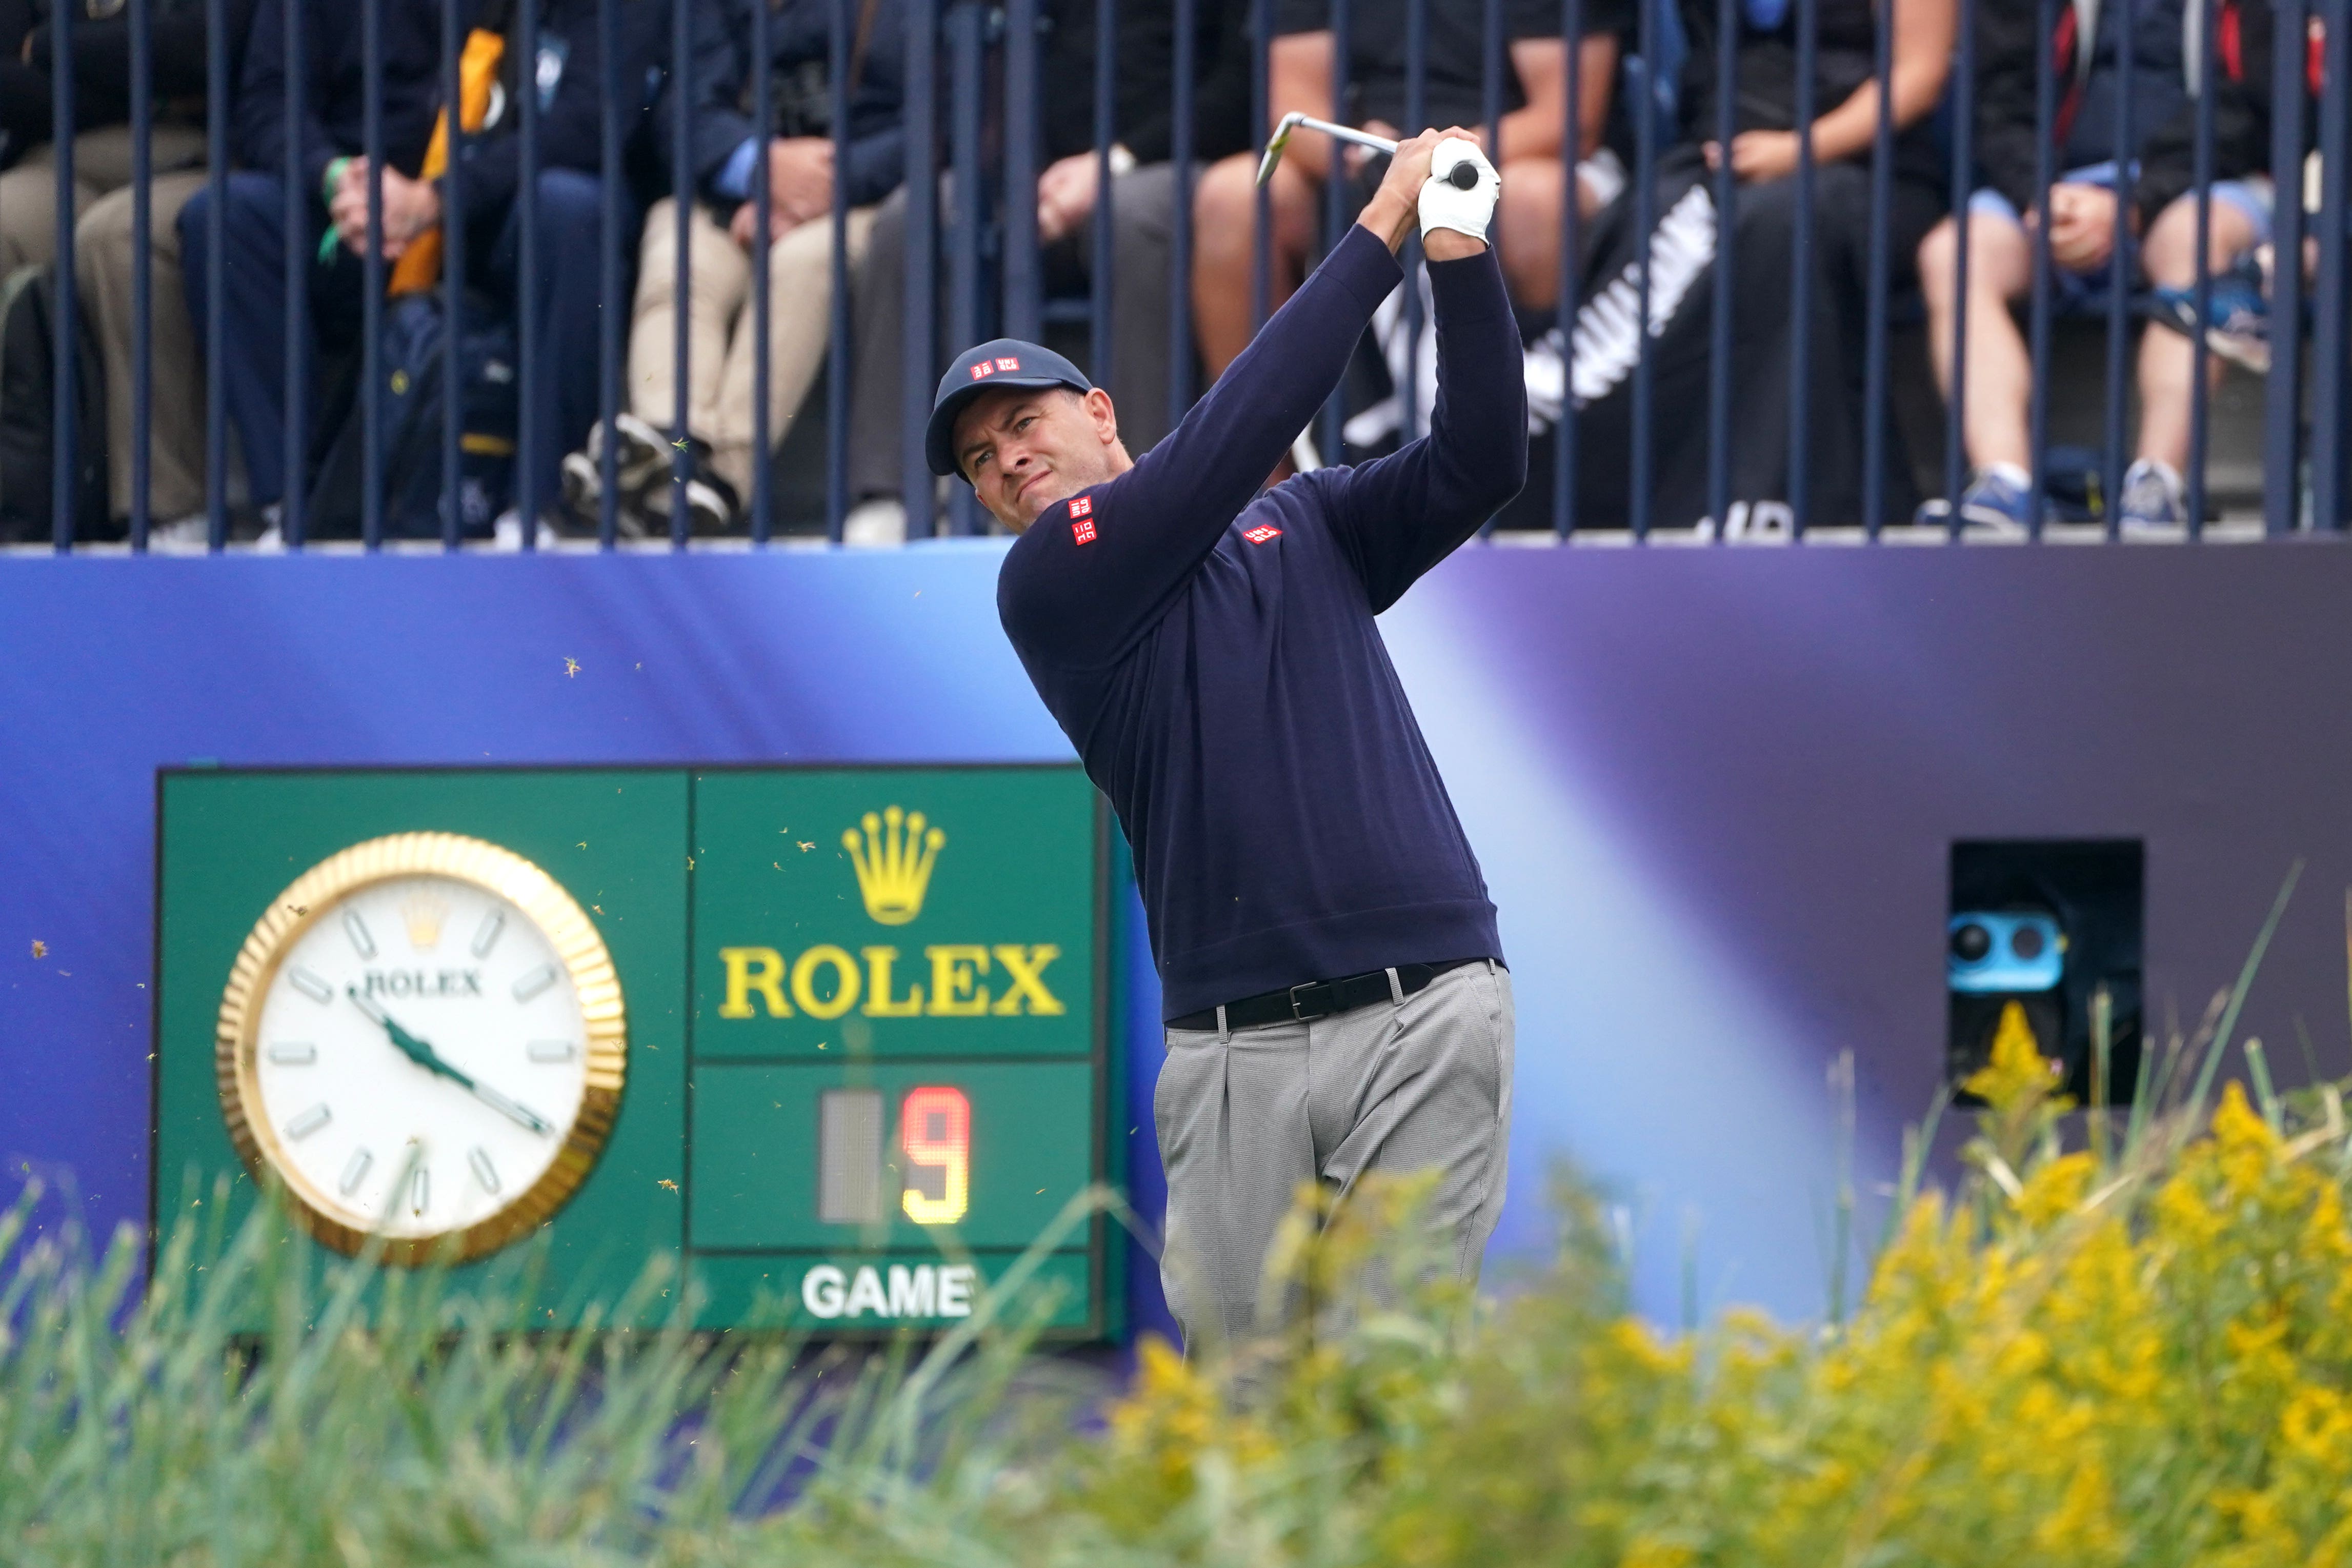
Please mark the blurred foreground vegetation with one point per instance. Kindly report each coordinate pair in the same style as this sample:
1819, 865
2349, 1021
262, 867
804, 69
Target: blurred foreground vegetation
2122, 1339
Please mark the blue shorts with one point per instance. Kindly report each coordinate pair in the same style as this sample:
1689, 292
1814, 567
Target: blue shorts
2251, 198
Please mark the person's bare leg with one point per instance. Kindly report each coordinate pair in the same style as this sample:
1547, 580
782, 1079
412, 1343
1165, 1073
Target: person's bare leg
2168, 360
1526, 230
1224, 221
2000, 373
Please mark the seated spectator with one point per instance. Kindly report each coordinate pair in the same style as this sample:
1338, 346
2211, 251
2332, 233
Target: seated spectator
103, 200
1142, 204
722, 326
2083, 206
1763, 157
333, 207
1299, 67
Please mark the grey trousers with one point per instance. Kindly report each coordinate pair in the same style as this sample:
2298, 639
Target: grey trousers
1244, 1120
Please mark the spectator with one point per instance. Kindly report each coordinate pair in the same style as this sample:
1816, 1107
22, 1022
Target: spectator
333, 200
723, 340
103, 258
1142, 207
1682, 251
1534, 96
2083, 208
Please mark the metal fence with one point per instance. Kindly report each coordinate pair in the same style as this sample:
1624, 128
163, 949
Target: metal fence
974, 92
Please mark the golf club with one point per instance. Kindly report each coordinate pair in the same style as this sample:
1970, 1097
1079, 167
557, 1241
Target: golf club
1464, 175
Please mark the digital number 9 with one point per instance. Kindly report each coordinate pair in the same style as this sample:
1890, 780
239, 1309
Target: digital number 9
934, 1130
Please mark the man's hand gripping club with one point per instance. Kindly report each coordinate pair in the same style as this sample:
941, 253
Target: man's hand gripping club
1420, 187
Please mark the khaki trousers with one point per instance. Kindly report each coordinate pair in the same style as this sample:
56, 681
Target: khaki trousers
103, 266
1245, 1118
721, 341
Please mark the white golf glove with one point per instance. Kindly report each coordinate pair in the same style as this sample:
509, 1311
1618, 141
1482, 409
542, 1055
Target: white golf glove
1445, 205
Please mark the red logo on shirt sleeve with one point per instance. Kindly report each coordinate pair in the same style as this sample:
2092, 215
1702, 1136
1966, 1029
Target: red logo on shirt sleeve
1082, 519
982, 371
1008, 363
1082, 506
1083, 531
1262, 532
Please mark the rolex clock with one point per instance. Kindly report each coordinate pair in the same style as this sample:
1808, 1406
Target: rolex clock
422, 1039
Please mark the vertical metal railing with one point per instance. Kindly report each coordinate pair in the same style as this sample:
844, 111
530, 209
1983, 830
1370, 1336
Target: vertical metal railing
681, 187
1416, 120
213, 325
2328, 408
1801, 283
2283, 397
453, 279
1332, 438
611, 269
2045, 155
2200, 390
371, 297
65, 464
838, 55
528, 434
300, 254
143, 267
1571, 230
1873, 351
918, 324
1726, 227
1641, 86
2120, 276
1964, 128
993, 260
1102, 274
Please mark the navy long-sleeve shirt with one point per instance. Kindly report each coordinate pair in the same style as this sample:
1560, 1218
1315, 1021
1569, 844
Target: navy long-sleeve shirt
1211, 652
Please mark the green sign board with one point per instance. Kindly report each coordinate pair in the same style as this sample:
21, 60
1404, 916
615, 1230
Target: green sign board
838, 1035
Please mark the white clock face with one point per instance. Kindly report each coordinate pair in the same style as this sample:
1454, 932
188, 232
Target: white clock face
421, 1054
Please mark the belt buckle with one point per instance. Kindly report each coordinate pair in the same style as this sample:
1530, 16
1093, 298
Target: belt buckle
1303, 985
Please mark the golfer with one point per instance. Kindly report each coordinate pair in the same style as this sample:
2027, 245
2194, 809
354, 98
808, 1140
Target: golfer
1333, 988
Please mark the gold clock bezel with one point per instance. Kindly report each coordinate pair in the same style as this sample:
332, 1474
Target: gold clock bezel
578, 946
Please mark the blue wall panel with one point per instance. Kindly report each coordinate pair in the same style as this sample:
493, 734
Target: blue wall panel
1713, 791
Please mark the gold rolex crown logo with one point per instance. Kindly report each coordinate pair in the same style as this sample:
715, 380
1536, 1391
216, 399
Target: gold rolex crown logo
893, 857
423, 913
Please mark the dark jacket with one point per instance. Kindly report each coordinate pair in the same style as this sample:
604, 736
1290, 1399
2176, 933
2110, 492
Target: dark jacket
570, 122
334, 87
2007, 143
1143, 117
718, 83
101, 49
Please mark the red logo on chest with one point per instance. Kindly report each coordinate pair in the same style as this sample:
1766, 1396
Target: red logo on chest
1262, 532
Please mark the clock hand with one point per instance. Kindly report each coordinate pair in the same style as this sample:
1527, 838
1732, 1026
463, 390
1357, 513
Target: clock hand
423, 1054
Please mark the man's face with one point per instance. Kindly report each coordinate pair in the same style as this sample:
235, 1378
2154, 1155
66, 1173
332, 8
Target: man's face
1023, 449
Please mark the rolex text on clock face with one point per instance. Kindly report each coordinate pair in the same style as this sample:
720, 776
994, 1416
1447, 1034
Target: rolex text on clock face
421, 1054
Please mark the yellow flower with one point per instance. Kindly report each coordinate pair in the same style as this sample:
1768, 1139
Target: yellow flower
2018, 1070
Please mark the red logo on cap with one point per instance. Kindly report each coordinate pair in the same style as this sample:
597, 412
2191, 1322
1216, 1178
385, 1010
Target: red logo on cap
1262, 532
1008, 363
982, 371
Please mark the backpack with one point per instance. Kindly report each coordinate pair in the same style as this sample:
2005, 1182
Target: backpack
411, 418
28, 333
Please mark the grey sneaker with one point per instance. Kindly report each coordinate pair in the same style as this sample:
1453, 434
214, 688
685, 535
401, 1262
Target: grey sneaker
1991, 507
2152, 500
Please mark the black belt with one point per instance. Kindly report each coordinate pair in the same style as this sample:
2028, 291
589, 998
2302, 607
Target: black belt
1319, 998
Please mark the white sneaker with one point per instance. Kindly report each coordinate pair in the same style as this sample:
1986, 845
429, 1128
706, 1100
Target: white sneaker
875, 524
181, 536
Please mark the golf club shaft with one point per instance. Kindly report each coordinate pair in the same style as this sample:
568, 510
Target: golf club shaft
1346, 133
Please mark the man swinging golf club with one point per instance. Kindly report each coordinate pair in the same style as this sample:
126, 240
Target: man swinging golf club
1332, 983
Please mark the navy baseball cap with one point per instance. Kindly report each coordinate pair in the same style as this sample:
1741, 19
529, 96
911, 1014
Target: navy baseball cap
1000, 362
